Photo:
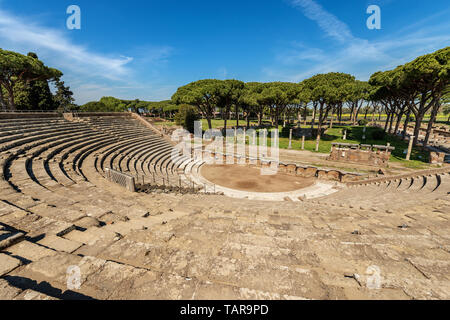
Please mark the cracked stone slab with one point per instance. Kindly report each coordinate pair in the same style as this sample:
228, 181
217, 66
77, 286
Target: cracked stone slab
30, 251
31, 295
60, 244
8, 292
7, 264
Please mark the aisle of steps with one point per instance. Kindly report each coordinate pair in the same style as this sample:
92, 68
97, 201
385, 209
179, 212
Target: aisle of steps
393, 194
55, 200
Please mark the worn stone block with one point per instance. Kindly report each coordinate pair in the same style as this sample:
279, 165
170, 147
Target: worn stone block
7, 264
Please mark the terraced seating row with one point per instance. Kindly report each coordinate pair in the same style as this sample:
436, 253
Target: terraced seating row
167, 246
394, 193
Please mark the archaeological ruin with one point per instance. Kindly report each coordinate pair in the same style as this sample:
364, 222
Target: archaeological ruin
95, 206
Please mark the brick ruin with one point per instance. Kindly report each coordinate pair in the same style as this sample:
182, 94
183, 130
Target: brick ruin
374, 155
287, 168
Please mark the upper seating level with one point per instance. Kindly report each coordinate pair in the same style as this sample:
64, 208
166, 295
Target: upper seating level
56, 204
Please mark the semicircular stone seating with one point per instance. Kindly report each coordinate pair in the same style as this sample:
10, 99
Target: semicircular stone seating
58, 211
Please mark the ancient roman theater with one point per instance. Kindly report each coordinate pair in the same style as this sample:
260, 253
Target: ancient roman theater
95, 206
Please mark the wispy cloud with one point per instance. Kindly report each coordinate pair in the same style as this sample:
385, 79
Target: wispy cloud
90, 74
351, 54
24, 34
328, 22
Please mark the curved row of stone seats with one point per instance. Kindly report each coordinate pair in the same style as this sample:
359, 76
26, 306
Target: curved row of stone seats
228, 243
34, 190
212, 230
392, 193
210, 248
109, 157
157, 165
42, 170
18, 130
154, 157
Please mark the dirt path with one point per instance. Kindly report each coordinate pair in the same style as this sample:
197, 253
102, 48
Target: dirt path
245, 178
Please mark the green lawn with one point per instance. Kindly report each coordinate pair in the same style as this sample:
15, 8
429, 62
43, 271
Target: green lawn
419, 158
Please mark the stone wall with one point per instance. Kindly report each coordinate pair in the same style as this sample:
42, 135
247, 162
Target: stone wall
437, 157
423, 173
96, 114
364, 154
290, 168
29, 115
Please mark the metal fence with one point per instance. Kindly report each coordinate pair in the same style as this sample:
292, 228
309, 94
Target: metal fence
121, 179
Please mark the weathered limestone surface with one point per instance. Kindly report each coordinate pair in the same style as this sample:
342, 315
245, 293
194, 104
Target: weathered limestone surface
7, 264
196, 246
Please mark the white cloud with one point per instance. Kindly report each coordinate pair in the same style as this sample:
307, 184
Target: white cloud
329, 23
357, 56
90, 74
23, 34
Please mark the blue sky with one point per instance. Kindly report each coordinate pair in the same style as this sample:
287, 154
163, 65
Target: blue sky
146, 49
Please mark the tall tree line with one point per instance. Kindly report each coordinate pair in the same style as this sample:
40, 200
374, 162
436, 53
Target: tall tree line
417, 88
24, 84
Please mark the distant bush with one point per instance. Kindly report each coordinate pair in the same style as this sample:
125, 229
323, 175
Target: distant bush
378, 135
94, 107
186, 117
363, 122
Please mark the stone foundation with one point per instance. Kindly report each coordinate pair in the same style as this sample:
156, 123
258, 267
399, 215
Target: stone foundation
437, 157
364, 154
290, 168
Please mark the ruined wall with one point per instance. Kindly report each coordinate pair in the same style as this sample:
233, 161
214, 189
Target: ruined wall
369, 155
437, 157
290, 168
29, 115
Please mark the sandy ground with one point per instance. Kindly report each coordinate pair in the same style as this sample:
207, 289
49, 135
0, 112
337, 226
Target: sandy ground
246, 178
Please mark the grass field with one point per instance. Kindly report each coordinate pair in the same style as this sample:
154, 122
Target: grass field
419, 159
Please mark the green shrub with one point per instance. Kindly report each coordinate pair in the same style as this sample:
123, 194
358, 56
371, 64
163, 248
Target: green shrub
363, 122
186, 117
378, 135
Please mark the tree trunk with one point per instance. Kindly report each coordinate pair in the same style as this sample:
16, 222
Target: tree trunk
373, 116
387, 121
313, 117
332, 118
391, 123
399, 120
2, 100
419, 118
237, 116
306, 116
12, 104
352, 112
319, 128
260, 116
225, 119
405, 126
430, 124
208, 118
